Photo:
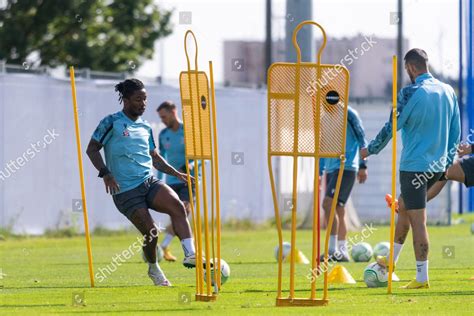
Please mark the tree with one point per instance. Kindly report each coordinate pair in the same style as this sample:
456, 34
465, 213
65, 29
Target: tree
107, 35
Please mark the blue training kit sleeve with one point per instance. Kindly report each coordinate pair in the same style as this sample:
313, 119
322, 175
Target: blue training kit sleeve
355, 140
355, 124
405, 105
162, 152
428, 116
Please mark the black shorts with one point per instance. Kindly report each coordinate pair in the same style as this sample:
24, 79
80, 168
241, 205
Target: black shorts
140, 197
347, 183
467, 165
414, 187
182, 190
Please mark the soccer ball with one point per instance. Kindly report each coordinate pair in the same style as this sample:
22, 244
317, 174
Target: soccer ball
159, 254
225, 271
361, 252
382, 249
375, 275
286, 251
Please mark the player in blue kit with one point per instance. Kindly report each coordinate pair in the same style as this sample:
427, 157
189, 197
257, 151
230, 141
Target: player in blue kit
130, 154
354, 168
171, 146
428, 115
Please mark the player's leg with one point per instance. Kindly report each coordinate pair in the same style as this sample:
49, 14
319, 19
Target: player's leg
183, 194
163, 199
143, 221
167, 255
327, 202
338, 247
347, 183
457, 171
342, 228
435, 190
420, 243
133, 205
342, 231
415, 203
402, 227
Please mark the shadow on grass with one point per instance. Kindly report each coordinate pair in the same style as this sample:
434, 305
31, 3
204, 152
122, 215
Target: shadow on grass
431, 293
248, 262
129, 311
300, 290
427, 293
34, 305
79, 287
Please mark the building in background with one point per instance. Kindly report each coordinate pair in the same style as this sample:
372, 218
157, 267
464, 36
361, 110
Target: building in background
244, 62
368, 59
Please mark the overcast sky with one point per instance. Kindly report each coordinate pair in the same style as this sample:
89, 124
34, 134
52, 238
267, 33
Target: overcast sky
429, 24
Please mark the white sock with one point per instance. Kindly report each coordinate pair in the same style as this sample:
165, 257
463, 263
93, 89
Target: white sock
188, 247
166, 242
342, 246
397, 248
156, 270
332, 243
422, 271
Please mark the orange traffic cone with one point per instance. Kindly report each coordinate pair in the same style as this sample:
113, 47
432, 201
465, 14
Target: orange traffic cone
339, 274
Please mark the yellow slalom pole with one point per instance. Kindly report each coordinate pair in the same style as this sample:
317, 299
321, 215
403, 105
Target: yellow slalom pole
81, 174
394, 171
332, 214
216, 169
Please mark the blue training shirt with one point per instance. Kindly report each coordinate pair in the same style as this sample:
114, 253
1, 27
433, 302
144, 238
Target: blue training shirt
127, 145
428, 116
171, 145
355, 139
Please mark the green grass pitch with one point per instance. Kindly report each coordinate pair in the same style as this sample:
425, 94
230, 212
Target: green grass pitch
41, 276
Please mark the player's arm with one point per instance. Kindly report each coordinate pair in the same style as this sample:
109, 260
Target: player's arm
162, 149
163, 166
406, 103
100, 137
359, 132
93, 152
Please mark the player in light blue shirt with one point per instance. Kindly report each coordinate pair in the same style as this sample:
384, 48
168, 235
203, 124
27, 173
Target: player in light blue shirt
130, 153
353, 168
171, 146
428, 116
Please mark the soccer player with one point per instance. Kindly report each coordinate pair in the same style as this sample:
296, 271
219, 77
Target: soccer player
171, 145
130, 153
354, 168
428, 116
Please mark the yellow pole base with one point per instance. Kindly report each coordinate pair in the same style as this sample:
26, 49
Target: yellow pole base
205, 298
290, 302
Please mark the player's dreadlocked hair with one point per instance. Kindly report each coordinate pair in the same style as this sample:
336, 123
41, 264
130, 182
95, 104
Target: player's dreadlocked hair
127, 87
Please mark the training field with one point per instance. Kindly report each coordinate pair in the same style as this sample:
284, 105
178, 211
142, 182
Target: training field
42, 275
